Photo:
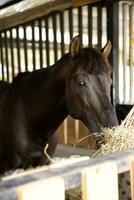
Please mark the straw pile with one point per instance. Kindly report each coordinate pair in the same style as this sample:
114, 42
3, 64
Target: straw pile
118, 138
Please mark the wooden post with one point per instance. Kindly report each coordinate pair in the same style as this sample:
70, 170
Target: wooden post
132, 178
100, 182
51, 188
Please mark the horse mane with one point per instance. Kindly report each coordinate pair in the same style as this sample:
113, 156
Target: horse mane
44, 73
95, 63
20, 75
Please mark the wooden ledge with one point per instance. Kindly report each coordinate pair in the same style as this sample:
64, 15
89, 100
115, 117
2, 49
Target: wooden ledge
28, 10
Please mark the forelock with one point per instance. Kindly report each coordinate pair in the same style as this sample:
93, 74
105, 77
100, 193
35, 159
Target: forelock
95, 63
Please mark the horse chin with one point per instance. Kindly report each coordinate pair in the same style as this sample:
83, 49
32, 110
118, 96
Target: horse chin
92, 126
94, 129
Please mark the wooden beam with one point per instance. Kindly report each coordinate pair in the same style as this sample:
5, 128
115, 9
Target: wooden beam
82, 2
25, 11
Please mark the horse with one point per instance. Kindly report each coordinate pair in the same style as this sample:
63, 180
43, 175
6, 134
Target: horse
36, 103
52, 140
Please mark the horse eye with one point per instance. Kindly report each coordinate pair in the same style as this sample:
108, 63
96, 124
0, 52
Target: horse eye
81, 83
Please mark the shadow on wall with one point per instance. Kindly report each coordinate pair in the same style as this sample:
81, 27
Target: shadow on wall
122, 110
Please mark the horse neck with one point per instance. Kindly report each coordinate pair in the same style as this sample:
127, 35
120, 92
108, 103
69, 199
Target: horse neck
50, 105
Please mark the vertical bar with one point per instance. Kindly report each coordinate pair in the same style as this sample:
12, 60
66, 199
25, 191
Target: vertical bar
62, 33
131, 49
55, 37
18, 49
25, 48
12, 54
104, 26
1, 55
47, 43
80, 22
40, 44
99, 25
6, 55
132, 178
71, 137
113, 35
70, 23
125, 25
66, 130
90, 24
33, 45
77, 130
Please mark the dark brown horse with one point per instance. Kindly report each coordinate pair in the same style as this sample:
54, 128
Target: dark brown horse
36, 104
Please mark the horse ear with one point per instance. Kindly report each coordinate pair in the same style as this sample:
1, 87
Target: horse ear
75, 46
106, 49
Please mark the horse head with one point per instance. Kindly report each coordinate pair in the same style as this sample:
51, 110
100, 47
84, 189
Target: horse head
88, 86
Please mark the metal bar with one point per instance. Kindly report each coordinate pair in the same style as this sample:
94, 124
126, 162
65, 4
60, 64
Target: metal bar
90, 24
40, 43
62, 33
6, 55
80, 22
47, 43
70, 23
33, 45
113, 36
125, 25
2, 57
18, 49
55, 37
99, 25
25, 48
131, 49
12, 53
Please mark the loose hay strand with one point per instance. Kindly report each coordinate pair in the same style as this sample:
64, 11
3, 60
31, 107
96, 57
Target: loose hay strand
83, 138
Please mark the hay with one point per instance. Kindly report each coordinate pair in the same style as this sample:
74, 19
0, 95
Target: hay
118, 138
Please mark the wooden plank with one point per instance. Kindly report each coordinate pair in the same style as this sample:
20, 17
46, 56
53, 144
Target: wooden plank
71, 130
131, 49
81, 2
132, 178
51, 188
29, 11
84, 133
104, 178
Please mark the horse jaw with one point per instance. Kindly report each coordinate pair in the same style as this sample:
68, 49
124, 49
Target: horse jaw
95, 123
